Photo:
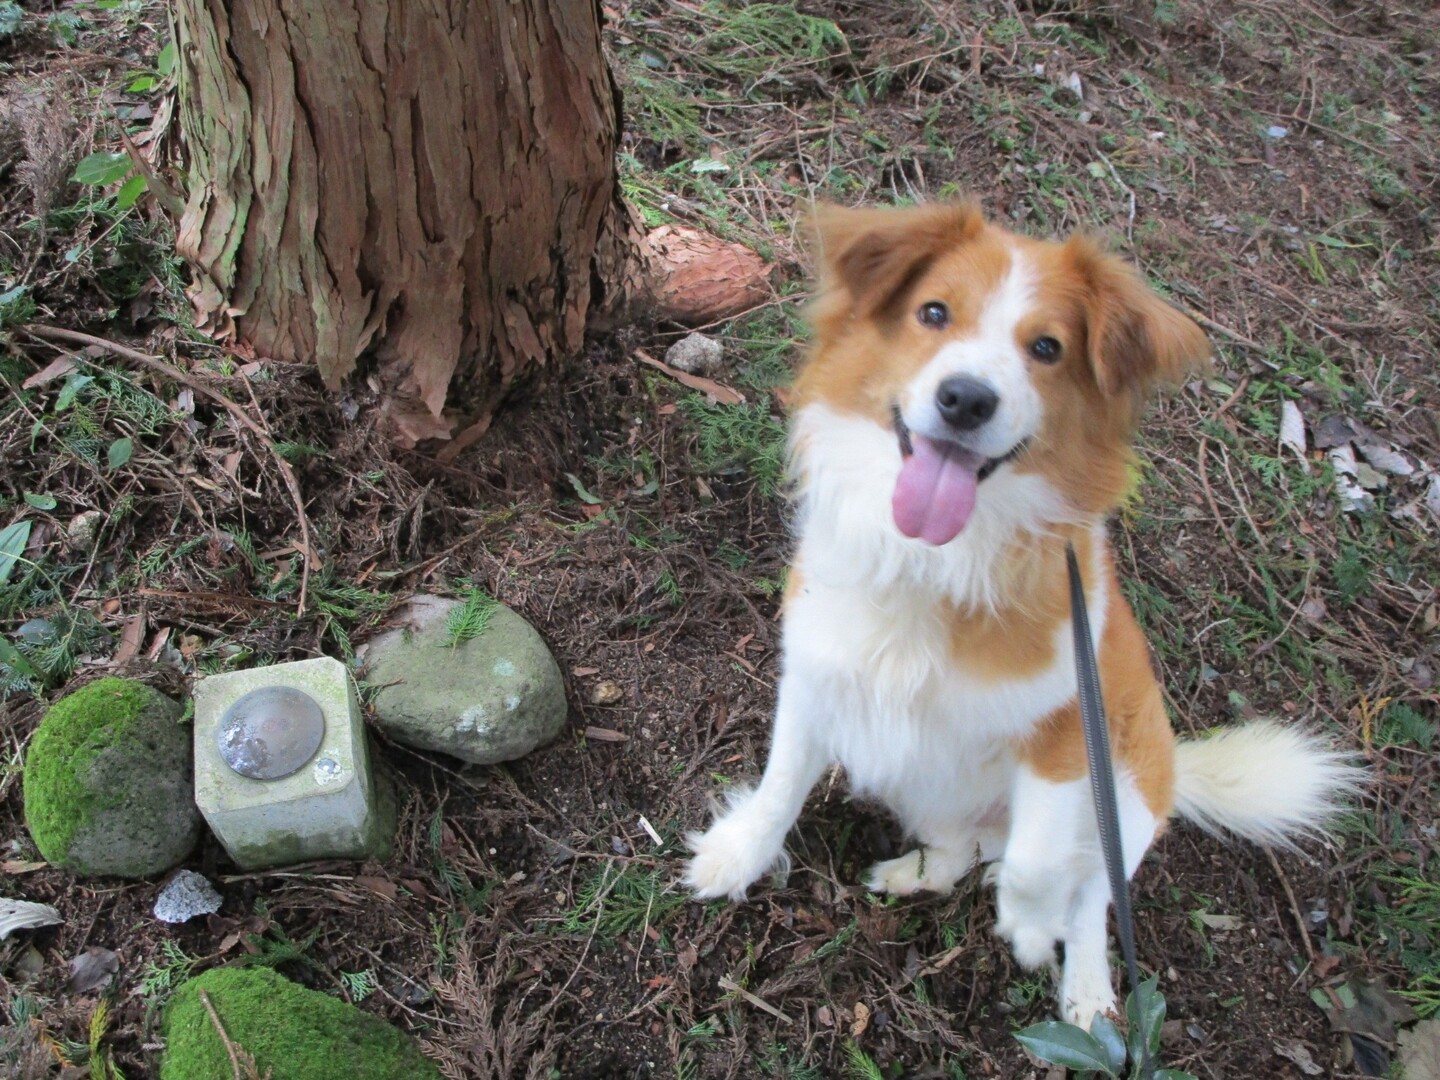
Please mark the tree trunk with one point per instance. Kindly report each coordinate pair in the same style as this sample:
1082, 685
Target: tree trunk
428, 181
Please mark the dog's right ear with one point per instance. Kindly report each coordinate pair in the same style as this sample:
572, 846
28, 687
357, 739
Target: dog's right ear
875, 255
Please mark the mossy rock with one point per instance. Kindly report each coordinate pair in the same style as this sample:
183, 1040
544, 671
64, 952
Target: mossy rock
108, 787
291, 1032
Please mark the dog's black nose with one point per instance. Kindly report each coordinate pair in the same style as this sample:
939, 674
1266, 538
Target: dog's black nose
965, 403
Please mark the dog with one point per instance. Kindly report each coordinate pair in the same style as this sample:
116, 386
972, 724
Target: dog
966, 409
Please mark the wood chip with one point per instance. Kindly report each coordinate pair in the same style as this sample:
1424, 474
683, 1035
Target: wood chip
600, 734
721, 393
379, 886
862, 1020
56, 369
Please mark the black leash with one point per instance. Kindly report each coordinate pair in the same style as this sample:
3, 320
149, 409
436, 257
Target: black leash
1102, 779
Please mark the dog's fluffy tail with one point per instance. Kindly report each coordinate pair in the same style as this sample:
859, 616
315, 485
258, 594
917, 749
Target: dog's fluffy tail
1264, 782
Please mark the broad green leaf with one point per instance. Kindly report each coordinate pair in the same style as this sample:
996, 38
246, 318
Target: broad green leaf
120, 452
1331, 242
1145, 1011
165, 62
581, 490
103, 168
1110, 1037
1067, 1045
131, 190
40, 502
9, 296
13, 539
14, 659
71, 390
141, 83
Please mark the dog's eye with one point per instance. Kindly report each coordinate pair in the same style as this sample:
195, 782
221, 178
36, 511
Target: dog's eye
1045, 349
934, 314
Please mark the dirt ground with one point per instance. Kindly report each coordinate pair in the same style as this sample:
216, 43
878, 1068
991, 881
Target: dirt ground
1272, 165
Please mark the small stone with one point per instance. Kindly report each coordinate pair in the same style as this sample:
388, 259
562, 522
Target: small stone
695, 354
84, 530
606, 693
185, 896
494, 697
107, 782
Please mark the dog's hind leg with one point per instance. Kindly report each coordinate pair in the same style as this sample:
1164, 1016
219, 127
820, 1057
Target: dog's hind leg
748, 837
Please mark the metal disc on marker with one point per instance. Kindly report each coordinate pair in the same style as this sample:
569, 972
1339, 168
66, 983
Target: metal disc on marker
271, 732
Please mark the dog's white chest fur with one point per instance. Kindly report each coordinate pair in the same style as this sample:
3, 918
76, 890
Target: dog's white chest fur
914, 729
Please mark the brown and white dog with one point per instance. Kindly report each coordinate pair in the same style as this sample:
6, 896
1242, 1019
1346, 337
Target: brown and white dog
966, 409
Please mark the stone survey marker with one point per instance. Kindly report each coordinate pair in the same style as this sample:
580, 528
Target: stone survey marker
282, 768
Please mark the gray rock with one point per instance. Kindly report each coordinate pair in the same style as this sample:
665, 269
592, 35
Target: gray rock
695, 354
185, 896
84, 530
493, 698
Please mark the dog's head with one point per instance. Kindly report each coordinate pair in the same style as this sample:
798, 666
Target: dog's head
985, 351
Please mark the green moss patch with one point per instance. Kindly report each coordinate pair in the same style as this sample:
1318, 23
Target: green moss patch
292, 1032
107, 781
73, 734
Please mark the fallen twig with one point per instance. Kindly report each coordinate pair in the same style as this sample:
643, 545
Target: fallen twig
170, 371
727, 983
224, 1038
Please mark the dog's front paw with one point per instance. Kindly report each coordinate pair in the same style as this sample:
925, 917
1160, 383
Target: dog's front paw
1033, 948
922, 870
729, 858
1084, 993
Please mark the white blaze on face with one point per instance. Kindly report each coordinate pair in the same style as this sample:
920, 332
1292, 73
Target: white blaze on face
937, 487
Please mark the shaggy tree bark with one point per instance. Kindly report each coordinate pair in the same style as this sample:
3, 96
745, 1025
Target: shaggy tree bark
429, 181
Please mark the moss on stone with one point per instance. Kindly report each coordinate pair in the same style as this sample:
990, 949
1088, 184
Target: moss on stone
291, 1032
107, 781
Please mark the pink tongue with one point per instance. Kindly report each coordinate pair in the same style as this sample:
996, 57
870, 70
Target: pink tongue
936, 491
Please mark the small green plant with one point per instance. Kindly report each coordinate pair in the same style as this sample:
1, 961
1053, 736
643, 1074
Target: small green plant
275, 948
1104, 1051
731, 438
615, 902
860, 1065
359, 984
470, 619
781, 1062
16, 306
160, 977
105, 168
11, 16
456, 880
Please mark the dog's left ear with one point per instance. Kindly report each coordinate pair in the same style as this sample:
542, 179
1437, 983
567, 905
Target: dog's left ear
1136, 339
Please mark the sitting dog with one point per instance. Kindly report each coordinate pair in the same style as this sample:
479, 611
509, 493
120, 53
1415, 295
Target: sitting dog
966, 409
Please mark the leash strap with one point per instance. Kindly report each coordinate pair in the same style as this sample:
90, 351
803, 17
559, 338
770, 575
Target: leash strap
1102, 775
